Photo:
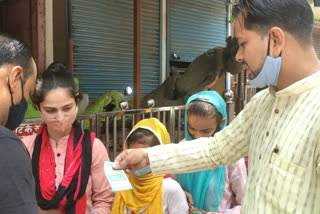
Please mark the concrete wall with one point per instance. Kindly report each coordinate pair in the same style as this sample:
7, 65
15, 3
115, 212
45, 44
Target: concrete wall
49, 32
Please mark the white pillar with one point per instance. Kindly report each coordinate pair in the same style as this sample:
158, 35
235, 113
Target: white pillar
49, 31
163, 16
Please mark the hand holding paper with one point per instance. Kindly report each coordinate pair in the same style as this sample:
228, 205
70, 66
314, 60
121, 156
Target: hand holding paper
131, 160
116, 177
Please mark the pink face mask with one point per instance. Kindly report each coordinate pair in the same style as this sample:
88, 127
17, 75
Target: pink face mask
61, 124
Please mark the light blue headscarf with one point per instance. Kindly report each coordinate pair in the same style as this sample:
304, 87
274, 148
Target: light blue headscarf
206, 187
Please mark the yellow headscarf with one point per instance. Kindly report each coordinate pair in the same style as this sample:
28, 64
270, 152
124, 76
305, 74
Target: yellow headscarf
146, 190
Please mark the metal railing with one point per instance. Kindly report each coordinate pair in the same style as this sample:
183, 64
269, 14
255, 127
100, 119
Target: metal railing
112, 128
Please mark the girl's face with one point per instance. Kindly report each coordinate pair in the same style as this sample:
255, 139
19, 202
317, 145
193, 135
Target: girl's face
201, 126
58, 109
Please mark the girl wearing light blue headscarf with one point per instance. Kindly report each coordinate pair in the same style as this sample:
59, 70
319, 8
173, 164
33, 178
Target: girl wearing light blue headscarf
206, 187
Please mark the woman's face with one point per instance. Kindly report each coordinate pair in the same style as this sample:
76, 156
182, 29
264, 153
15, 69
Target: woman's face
58, 109
201, 126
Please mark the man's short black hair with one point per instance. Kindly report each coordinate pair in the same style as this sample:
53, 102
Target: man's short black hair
15, 52
293, 16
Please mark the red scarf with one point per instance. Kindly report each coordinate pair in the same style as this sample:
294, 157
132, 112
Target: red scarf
70, 196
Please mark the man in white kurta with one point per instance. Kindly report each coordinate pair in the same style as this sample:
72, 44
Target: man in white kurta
280, 132
279, 129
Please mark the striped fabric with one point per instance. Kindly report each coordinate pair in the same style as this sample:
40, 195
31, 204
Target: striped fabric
280, 132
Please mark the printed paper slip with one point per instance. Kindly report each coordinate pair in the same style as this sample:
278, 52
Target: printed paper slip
117, 178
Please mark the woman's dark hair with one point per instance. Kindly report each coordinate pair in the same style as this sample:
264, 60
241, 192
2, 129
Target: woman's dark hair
15, 52
204, 109
293, 16
140, 133
56, 76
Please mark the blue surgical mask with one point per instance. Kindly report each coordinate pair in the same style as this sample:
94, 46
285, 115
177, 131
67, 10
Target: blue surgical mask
143, 171
17, 111
269, 73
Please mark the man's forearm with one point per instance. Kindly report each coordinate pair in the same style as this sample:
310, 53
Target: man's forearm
181, 158
226, 147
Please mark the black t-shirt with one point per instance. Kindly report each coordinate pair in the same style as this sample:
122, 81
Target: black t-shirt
17, 189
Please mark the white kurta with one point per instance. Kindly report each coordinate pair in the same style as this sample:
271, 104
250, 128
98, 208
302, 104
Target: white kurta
280, 132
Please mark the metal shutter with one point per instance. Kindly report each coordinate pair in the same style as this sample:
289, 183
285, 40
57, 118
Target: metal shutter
196, 26
102, 34
150, 45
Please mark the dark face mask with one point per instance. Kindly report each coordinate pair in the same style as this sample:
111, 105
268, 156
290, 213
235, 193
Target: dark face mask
16, 112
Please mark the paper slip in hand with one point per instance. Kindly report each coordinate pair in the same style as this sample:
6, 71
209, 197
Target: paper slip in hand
116, 177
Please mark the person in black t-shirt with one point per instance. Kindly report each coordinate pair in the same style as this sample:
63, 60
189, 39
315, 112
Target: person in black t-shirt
17, 78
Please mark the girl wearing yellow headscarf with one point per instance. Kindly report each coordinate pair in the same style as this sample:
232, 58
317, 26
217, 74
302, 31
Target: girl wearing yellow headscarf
150, 194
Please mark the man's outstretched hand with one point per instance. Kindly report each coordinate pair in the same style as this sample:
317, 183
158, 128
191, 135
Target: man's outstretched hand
131, 160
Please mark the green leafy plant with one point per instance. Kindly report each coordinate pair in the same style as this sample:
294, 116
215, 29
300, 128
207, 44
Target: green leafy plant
232, 19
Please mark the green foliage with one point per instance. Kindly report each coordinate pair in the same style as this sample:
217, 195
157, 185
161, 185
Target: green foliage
31, 112
232, 19
316, 11
109, 101
76, 81
316, 14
